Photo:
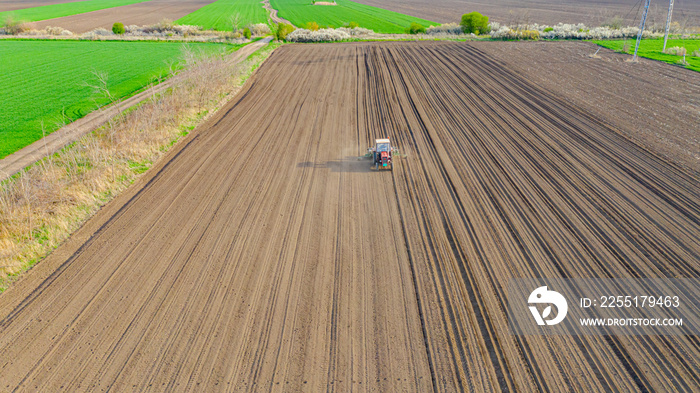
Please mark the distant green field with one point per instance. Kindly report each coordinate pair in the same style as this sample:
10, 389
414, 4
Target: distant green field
40, 80
58, 10
651, 48
300, 12
217, 15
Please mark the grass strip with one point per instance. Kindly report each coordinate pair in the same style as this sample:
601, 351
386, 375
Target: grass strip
652, 49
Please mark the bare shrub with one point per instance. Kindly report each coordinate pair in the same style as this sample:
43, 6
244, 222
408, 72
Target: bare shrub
12, 25
56, 31
676, 50
102, 32
260, 29
165, 25
445, 28
236, 21
626, 46
355, 31
696, 53
133, 29
186, 30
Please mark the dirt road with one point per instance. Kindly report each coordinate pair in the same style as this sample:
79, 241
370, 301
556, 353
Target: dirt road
264, 256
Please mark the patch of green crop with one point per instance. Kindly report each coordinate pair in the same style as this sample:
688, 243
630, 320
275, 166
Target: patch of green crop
64, 9
651, 49
139, 167
300, 12
218, 15
43, 83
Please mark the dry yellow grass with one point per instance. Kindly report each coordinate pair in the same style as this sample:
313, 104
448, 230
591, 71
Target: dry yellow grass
41, 206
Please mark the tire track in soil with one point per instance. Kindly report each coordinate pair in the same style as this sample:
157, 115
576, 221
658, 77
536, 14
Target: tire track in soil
262, 255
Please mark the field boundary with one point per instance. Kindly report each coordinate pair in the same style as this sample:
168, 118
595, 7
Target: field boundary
68, 134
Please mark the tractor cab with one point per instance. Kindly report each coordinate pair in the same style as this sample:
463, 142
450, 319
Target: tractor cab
383, 146
382, 154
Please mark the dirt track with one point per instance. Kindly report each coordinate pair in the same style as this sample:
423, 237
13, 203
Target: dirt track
146, 13
264, 256
273, 13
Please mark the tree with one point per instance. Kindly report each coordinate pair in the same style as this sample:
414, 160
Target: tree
476, 23
282, 30
246, 33
416, 28
235, 20
118, 28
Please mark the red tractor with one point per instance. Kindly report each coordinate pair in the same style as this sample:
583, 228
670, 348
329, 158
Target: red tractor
381, 154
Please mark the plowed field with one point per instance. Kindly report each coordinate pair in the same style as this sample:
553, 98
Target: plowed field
263, 255
146, 13
551, 12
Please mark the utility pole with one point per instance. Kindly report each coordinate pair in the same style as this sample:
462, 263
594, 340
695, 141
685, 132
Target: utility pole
641, 28
668, 22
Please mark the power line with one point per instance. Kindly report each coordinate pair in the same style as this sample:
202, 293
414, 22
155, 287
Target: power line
638, 5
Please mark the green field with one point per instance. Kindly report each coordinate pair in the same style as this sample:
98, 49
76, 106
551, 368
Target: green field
40, 80
58, 10
651, 48
300, 12
217, 15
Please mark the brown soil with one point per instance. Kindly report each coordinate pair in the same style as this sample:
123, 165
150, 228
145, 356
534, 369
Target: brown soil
146, 13
653, 103
263, 255
591, 12
11, 5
